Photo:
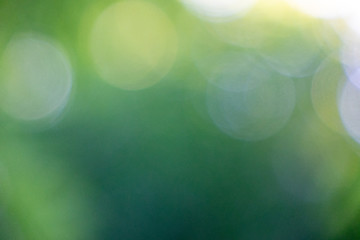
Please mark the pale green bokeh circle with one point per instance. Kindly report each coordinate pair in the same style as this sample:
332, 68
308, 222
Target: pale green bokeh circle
35, 78
133, 45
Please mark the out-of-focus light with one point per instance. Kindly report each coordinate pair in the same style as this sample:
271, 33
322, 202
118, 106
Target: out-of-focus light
353, 22
292, 53
350, 57
325, 89
350, 110
267, 23
248, 106
326, 35
326, 8
247, 32
218, 10
36, 78
133, 45
233, 71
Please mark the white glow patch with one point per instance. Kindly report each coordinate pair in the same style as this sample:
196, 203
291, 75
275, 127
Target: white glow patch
35, 79
350, 57
354, 23
350, 110
326, 8
217, 10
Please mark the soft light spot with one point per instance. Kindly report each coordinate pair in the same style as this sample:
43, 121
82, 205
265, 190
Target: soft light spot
253, 111
325, 89
234, 71
219, 10
350, 58
247, 32
326, 8
133, 45
326, 35
292, 53
353, 22
350, 110
35, 78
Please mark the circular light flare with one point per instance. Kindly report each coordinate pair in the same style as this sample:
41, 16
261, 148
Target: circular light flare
233, 71
350, 110
251, 112
36, 78
133, 45
325, 89
219, 10
294, 54
350, 58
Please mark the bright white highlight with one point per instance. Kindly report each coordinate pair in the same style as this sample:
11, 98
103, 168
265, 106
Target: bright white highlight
326, 8
35, 79
350, 58
350, 110
216, 10
353, 23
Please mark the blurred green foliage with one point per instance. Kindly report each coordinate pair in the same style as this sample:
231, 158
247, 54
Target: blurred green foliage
151, 164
